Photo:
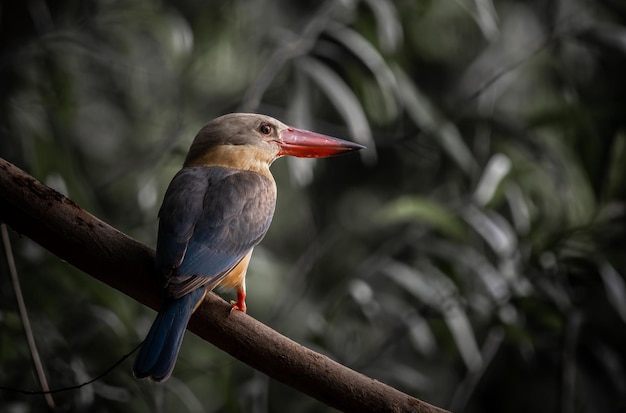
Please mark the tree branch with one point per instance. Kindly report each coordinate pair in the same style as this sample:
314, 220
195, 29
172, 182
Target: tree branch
74, 235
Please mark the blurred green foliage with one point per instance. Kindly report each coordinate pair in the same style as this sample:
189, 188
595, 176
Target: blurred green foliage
474, 256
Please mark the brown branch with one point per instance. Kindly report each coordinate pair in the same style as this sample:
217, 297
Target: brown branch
74, 235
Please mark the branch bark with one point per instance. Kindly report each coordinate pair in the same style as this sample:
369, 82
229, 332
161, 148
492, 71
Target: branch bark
74, 235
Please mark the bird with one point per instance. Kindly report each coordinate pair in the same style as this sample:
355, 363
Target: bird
216, 209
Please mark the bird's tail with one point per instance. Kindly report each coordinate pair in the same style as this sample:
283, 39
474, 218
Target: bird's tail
157, 356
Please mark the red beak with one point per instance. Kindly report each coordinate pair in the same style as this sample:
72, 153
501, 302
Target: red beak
305, 144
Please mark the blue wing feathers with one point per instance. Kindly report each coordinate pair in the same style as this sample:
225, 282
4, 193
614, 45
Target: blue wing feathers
206, 233
210, 219
182, 207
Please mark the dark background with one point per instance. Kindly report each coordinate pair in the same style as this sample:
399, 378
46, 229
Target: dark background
473, 256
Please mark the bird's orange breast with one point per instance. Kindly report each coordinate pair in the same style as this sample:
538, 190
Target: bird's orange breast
236, 278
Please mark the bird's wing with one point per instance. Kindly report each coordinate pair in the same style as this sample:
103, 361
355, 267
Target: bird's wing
210, 219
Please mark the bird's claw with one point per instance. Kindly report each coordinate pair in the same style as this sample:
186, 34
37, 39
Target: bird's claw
238, 306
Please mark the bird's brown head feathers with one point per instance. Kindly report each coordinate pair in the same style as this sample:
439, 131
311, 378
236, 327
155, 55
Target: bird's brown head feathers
252, 142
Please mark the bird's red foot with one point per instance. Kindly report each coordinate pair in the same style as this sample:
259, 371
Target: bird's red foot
240, 304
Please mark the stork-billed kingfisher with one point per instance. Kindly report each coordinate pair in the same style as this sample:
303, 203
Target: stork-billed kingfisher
215, 210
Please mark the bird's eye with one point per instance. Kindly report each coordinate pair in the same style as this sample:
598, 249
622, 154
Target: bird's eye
265, 129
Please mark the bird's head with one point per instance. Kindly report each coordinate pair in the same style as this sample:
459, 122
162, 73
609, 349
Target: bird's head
249, 141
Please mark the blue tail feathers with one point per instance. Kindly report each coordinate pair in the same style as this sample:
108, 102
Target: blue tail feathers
157, 356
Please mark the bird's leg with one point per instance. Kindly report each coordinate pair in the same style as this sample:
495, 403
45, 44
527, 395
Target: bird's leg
240, 304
